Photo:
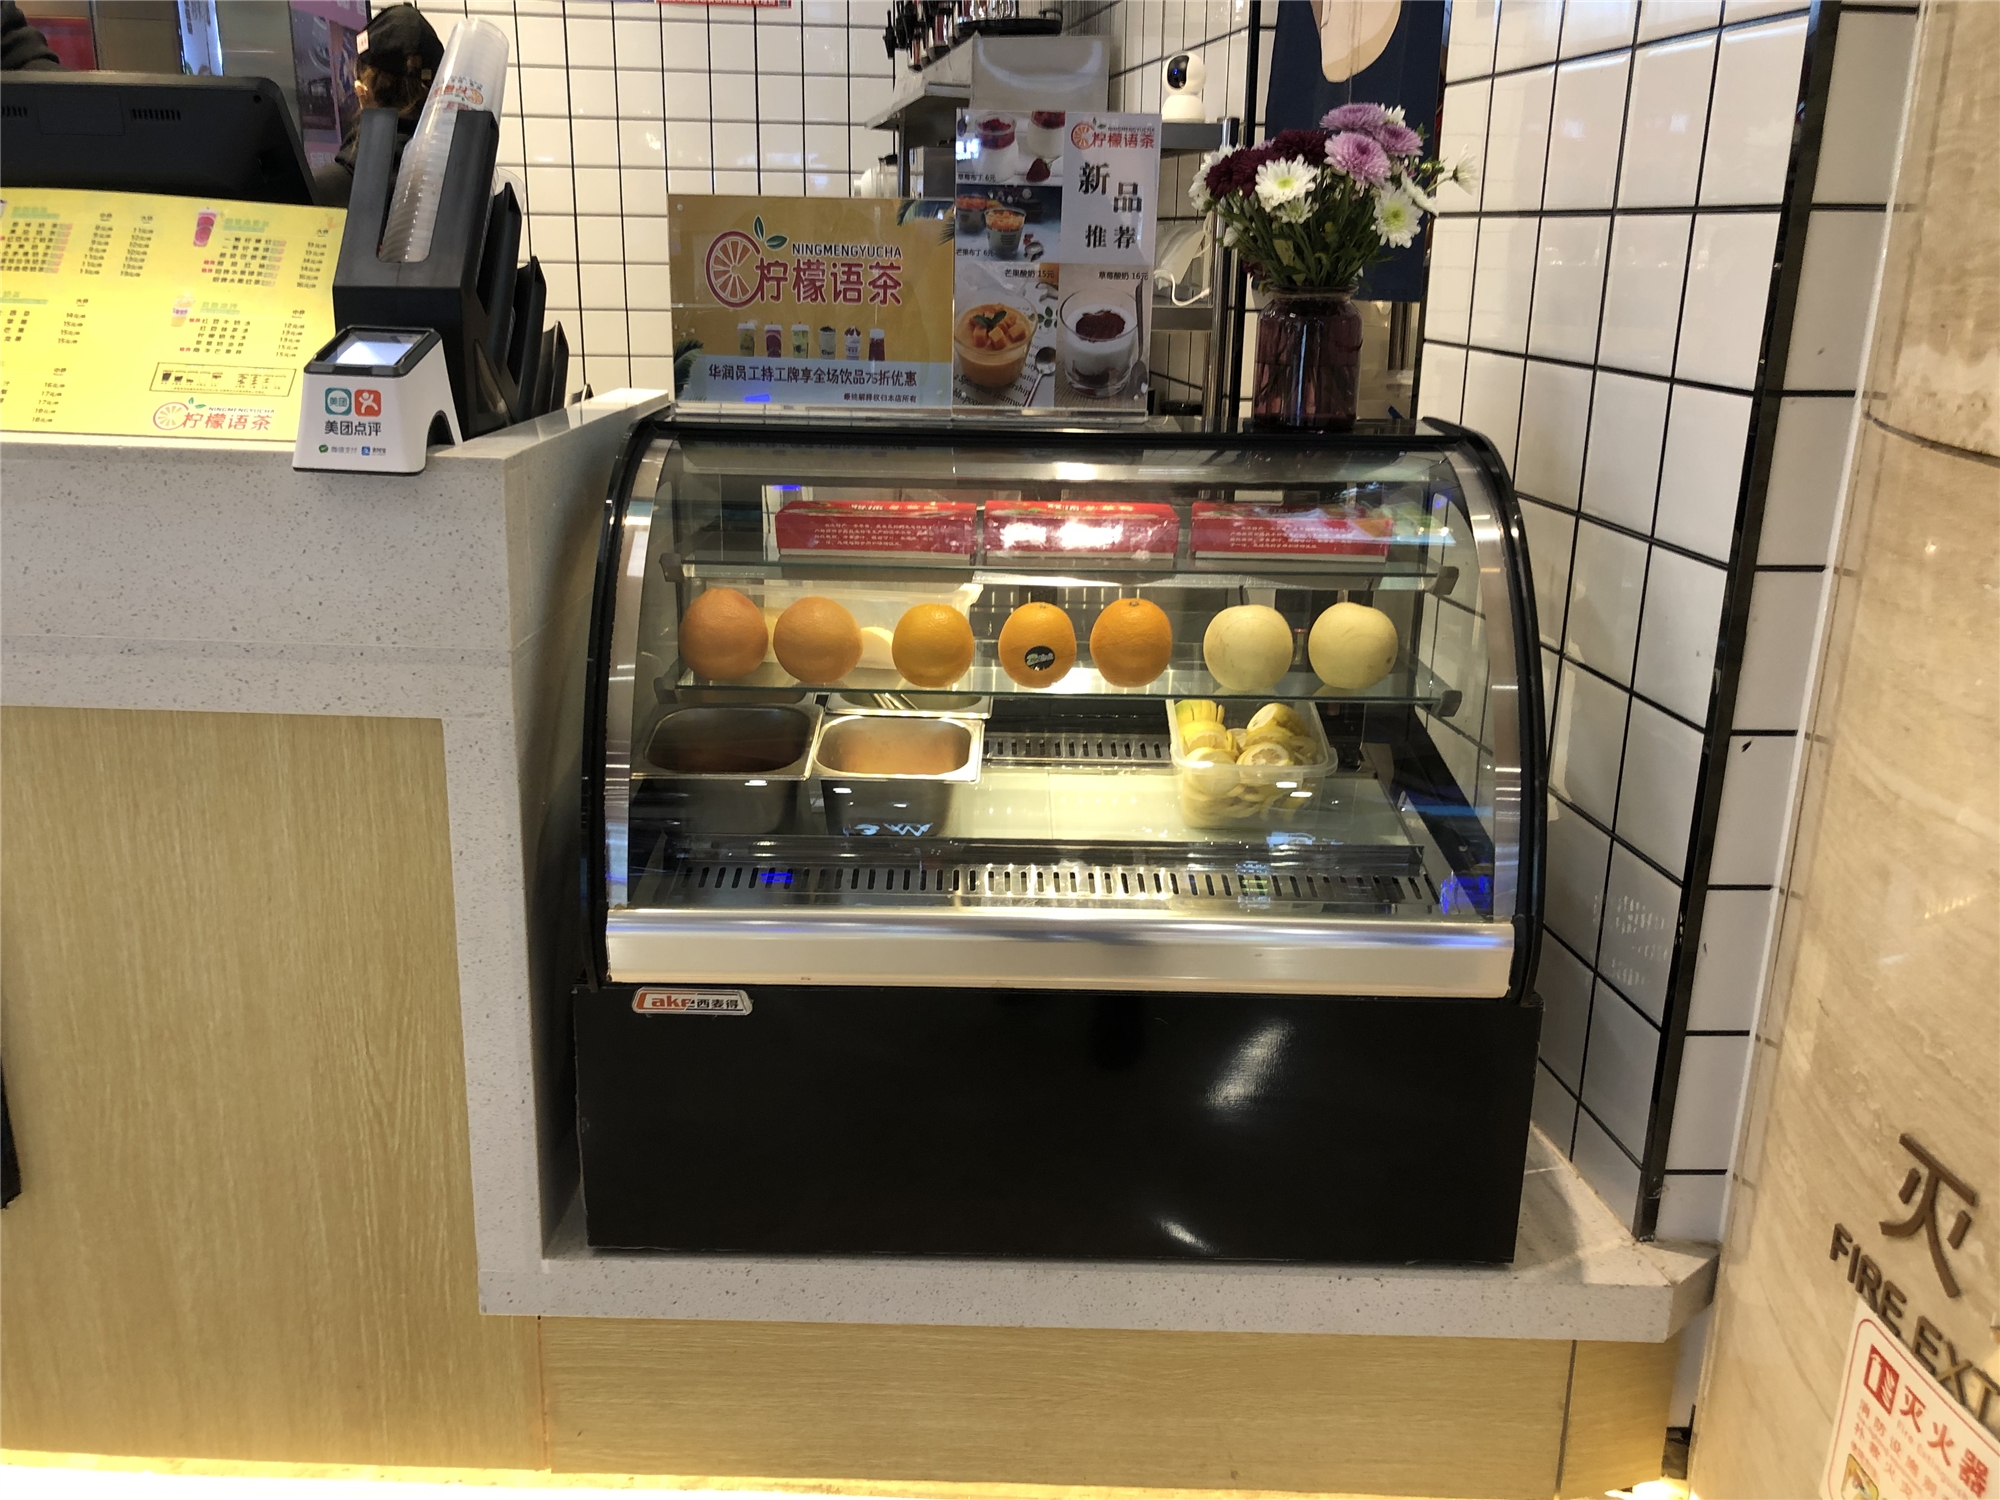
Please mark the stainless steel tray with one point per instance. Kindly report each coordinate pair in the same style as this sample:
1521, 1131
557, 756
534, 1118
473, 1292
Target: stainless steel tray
869, 804
915, 702
712, 770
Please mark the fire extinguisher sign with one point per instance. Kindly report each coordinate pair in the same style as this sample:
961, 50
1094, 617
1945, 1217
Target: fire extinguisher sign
665, 1002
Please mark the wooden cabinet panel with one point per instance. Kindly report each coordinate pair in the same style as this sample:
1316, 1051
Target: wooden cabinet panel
1464, 1417
231, 1041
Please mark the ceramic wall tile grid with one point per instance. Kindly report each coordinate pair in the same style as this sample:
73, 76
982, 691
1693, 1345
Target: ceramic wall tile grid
1694, 313
1233, 39
609, 107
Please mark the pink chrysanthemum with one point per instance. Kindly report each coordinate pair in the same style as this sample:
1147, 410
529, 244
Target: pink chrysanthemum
1365, 117
1400, 140
1355, 155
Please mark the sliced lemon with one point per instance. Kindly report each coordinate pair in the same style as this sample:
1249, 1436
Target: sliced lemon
1279, 716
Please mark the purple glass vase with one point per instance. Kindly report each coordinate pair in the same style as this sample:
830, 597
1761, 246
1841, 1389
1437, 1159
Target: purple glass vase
1308, 371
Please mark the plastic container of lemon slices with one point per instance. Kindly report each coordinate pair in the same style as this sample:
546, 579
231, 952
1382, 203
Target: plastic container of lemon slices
1255, 789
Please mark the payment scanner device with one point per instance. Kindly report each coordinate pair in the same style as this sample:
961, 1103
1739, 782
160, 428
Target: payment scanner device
375, 399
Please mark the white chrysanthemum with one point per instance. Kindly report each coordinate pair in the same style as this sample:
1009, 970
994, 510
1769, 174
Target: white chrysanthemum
1396, 218
1417, 194
1198, 193
1283, 180
1463, 173
1393, 116
1295, 212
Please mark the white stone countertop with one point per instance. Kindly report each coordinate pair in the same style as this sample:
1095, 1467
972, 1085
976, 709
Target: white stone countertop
151, 575
1577, 1274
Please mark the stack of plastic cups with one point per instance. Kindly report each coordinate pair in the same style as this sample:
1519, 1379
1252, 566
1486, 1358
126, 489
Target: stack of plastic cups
473, 75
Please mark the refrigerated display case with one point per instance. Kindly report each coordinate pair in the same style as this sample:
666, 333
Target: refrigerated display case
1214, 941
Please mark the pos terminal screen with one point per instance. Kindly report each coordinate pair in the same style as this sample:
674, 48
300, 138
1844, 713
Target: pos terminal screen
365, 349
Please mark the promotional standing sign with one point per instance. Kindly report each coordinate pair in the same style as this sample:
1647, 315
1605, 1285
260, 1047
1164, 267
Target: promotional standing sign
1054, 225
133, 315
810, 302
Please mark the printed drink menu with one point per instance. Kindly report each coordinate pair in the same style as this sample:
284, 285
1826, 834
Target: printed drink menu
134, 315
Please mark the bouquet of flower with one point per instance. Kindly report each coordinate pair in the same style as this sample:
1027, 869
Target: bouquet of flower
1315, 208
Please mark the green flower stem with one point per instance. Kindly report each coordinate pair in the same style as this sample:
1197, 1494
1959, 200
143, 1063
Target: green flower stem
1331, 242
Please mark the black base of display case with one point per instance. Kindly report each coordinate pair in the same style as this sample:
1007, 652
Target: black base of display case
1000, 1122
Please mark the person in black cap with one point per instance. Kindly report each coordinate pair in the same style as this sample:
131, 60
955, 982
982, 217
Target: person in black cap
399, 56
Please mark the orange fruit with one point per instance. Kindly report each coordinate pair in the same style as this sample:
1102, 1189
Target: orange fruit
1132, 642
932, 646
817, 640
1037, 645
723, 636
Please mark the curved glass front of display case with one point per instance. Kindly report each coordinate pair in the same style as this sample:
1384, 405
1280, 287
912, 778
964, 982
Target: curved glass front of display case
882, 709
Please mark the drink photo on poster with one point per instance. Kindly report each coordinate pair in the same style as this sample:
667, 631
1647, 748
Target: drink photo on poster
1024, 149
1004, 333
1101, 336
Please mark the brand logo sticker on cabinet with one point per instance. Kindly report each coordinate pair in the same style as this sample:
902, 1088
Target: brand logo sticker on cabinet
651, 1002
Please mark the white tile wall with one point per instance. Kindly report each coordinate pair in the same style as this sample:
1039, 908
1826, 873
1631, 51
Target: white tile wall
1506, 281
1641, 913
1857, 157
1750, 120
1730, 264
1666, 123
1448, 302
1623, 1056
1606, 1165
1676, 659
1584, 132
1642, 290
1597, 26
1714, 1070
1607, 585
1656, 793
1527, 34
609, 107
1668, 147
1493, 398
1517, 139
1554, 1109
1563, 981
1141, 35
1579, 857
1736, 934
1555, 415
1778, 650
1569, 287
1690, 1208
1806, 466
1756, 809
1843, 253
1701, 475
1621, 474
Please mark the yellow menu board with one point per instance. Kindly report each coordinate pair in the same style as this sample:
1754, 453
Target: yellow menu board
125, 314
811, 301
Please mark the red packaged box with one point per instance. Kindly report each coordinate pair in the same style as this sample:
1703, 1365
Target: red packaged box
1225, 529
1082, 528
876, 528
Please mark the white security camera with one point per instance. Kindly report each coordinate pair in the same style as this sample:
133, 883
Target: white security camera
1182, 79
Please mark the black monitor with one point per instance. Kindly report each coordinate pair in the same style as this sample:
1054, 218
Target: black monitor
152, 133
